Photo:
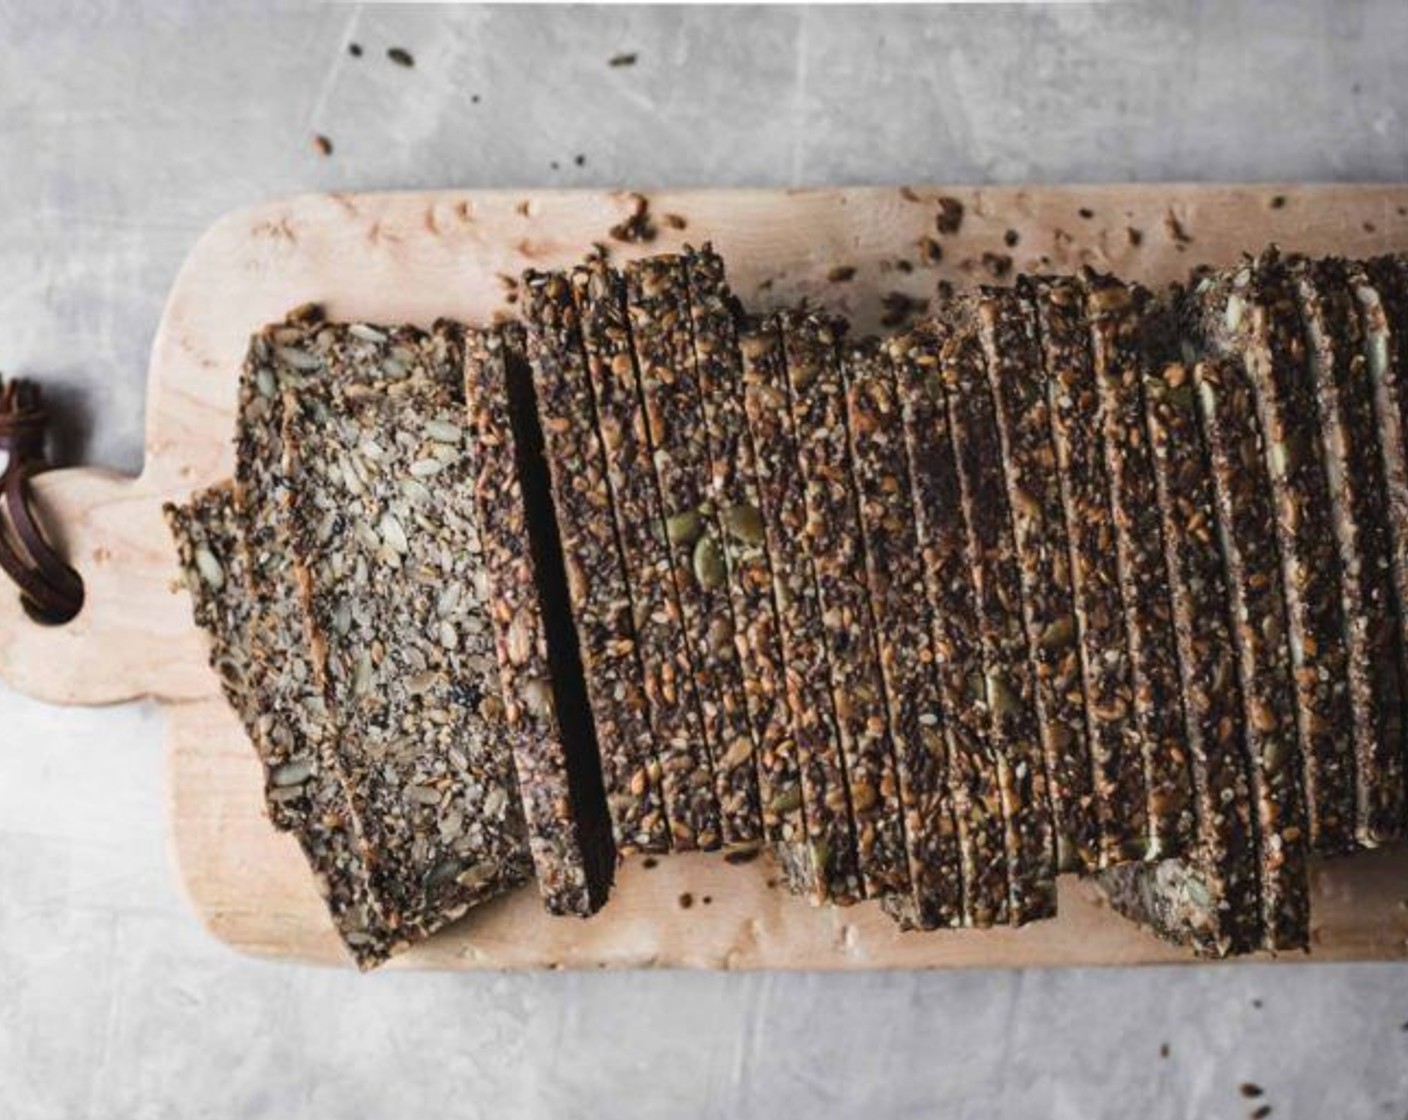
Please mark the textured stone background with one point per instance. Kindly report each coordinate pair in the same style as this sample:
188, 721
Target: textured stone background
125, 128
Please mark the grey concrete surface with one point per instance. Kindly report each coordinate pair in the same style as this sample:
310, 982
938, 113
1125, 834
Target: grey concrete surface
126, 128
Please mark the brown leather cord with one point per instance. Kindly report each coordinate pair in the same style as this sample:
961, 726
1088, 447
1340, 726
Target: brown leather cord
50, 590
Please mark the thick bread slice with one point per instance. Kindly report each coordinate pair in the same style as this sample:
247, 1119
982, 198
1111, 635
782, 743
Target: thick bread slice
1250, 314
974, 786
1008, 677
829, 856
904, 635
667, 658
601, 598
550, 733
386, 549
1008, 323
209, 540
1247, 530
1354, 469
1121, 787
832, 543
672, 411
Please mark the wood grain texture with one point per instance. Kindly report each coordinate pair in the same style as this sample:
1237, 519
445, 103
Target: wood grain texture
417, 256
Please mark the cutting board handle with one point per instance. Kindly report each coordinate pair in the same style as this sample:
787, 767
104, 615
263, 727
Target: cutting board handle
51, 592
132, 636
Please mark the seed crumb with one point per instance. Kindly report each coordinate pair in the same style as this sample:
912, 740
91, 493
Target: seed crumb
638, 226
1369, 227
909, 194
625, 58
1256, 1003
1164, 1050
675, 221
474, 99
950, 216
401, 57
707, 900
1086, 212
1261, 1112
931, 252
997, 265
1278, 201
842, 274
649, 862
322, 145
354, 49
686, 900
1250, 1089
1010, 238
899, 307
1136, 236
1174, 228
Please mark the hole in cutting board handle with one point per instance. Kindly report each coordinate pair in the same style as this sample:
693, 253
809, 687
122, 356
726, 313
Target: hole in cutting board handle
51, 592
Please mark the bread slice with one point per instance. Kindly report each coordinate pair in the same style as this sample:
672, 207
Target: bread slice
832, 543
672, 411
734, 494
904, 636
1117, 315
387, 553
1210, 899
941, 532
209, 539
1354, 468
1247, 532
687, 778
1120, 781
829, 858
1381, 290
1012, 351
601, 599
1009, 682
1250, 314
549, 727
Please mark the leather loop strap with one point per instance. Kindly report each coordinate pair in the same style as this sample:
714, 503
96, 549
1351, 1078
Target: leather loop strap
50, 590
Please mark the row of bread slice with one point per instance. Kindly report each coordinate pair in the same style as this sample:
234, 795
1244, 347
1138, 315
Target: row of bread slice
932, 618
1054, 584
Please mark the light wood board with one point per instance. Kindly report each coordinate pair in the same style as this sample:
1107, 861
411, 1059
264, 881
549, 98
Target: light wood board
417, 256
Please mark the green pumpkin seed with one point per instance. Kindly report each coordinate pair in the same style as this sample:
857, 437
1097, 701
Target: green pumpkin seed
744, 523
709, 568
684, 528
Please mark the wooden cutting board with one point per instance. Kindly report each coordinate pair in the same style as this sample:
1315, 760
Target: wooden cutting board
417, 256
